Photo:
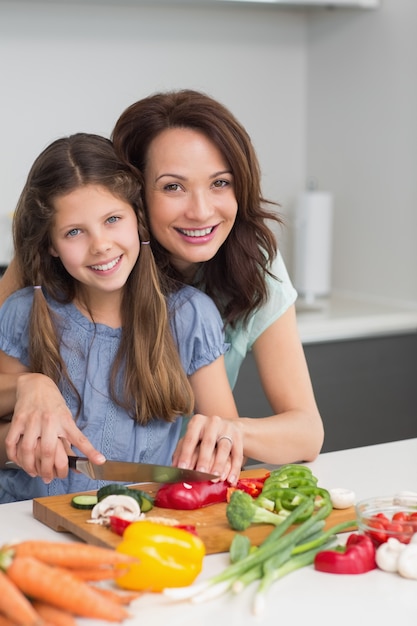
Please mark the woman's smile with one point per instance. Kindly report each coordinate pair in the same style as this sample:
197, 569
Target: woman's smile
190, 195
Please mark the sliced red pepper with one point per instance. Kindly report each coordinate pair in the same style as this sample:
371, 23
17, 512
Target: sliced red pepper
118, 525
357, 557
188, 496
252, 486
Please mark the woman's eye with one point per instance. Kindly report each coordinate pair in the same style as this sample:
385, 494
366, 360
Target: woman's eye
221, 183
172, 187
73, 232
113, 219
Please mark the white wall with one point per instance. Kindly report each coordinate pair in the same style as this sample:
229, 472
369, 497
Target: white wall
68, 67
324, 93
362, 143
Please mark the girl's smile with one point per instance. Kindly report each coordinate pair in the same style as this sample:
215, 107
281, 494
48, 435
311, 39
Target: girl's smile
95, 235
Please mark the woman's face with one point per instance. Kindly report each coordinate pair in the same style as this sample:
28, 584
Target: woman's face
190, 196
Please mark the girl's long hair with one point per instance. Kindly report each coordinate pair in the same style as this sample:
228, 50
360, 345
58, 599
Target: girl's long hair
154, 384
235, 276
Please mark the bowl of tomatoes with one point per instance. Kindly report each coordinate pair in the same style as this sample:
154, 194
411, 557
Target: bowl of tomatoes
383, 517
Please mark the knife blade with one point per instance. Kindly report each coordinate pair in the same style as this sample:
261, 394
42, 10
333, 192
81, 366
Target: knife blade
123, 471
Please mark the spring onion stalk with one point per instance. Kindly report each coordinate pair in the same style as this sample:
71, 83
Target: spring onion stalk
253, 560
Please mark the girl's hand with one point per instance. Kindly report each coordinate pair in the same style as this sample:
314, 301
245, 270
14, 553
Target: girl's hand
43, 430
211, 444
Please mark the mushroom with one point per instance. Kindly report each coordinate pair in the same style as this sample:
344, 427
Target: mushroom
125, 507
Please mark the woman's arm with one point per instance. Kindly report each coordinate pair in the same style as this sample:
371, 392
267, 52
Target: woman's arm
42, 428
295, 432
9, 282
212, 443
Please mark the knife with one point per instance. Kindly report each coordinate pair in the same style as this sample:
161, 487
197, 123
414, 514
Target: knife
122, 471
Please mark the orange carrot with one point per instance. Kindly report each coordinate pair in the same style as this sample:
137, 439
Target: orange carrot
60, 588
77, 555
119, 597
100, 573
52, 615
14, 605
5, 621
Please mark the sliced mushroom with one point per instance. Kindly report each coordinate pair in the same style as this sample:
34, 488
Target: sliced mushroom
121, 506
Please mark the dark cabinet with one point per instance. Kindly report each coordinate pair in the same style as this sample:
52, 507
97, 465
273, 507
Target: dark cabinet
366, 389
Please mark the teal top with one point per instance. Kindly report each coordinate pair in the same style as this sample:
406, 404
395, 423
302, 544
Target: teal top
241, 338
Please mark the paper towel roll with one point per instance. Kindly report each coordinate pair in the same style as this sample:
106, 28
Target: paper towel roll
313, 244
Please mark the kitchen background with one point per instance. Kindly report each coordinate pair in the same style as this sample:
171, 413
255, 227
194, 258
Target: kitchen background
328, 94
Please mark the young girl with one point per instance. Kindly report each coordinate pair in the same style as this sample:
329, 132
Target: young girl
94, 318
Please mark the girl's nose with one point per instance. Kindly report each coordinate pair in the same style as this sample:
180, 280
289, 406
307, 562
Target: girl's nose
100, 244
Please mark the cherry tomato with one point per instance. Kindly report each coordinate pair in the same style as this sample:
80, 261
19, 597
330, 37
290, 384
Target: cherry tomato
400, 516
378, 533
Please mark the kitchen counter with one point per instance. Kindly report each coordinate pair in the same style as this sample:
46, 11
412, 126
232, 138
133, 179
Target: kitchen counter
303, 597
338, 318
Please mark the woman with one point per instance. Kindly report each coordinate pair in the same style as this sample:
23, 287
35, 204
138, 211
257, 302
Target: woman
192, 153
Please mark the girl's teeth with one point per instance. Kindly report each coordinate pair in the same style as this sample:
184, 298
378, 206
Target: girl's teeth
197, 233
107, 266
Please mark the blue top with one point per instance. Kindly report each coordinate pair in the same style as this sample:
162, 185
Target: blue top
88, 351
281, 295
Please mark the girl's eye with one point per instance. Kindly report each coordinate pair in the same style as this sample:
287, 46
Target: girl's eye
112, 219
73, 232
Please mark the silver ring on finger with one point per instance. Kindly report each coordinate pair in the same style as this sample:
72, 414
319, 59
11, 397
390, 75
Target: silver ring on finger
225, 437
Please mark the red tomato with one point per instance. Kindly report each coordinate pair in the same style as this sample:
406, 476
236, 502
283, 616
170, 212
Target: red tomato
400, 516
377, 534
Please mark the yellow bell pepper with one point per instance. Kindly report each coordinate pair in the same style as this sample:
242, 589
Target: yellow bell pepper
167, 557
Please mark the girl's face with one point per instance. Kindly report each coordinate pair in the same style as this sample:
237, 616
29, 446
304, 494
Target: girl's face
95, 235
190, 196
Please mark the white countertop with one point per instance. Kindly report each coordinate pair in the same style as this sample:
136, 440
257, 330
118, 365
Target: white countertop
339, 318
303, 597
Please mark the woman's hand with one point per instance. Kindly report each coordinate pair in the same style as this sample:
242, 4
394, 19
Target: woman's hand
211, 444
43, 430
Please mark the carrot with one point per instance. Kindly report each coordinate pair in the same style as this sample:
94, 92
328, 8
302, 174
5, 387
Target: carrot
101, 573
5, 621
72, 555
60, 588
52, 615
119, 597
14, 605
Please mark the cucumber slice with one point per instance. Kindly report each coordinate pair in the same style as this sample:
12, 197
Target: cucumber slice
114, 489
86, 501
145, 500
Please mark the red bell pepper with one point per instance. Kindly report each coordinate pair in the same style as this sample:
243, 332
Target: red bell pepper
188, 496
357, 557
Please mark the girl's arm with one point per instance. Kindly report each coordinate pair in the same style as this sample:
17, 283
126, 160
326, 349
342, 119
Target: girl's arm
201, 446
295, 432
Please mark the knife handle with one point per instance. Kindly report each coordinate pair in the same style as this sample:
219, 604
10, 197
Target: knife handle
72, 461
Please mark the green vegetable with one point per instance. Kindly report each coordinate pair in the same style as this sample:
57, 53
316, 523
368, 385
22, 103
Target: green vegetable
242, 511
84, 501
145, 501
279, 554
239, 548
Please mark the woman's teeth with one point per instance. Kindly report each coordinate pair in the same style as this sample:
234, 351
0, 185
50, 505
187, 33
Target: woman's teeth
107, 266
196, 233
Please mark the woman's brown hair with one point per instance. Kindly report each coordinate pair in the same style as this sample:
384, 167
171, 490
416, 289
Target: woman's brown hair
235, 277
155, 385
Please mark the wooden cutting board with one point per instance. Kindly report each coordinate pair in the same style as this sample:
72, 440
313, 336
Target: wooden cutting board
210, 522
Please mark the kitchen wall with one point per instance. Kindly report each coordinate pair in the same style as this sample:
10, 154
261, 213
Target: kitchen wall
324, 93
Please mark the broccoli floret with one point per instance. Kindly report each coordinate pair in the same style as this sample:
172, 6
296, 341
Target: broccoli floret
242, 511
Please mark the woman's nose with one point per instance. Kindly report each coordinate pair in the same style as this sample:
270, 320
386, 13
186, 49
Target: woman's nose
199, 207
